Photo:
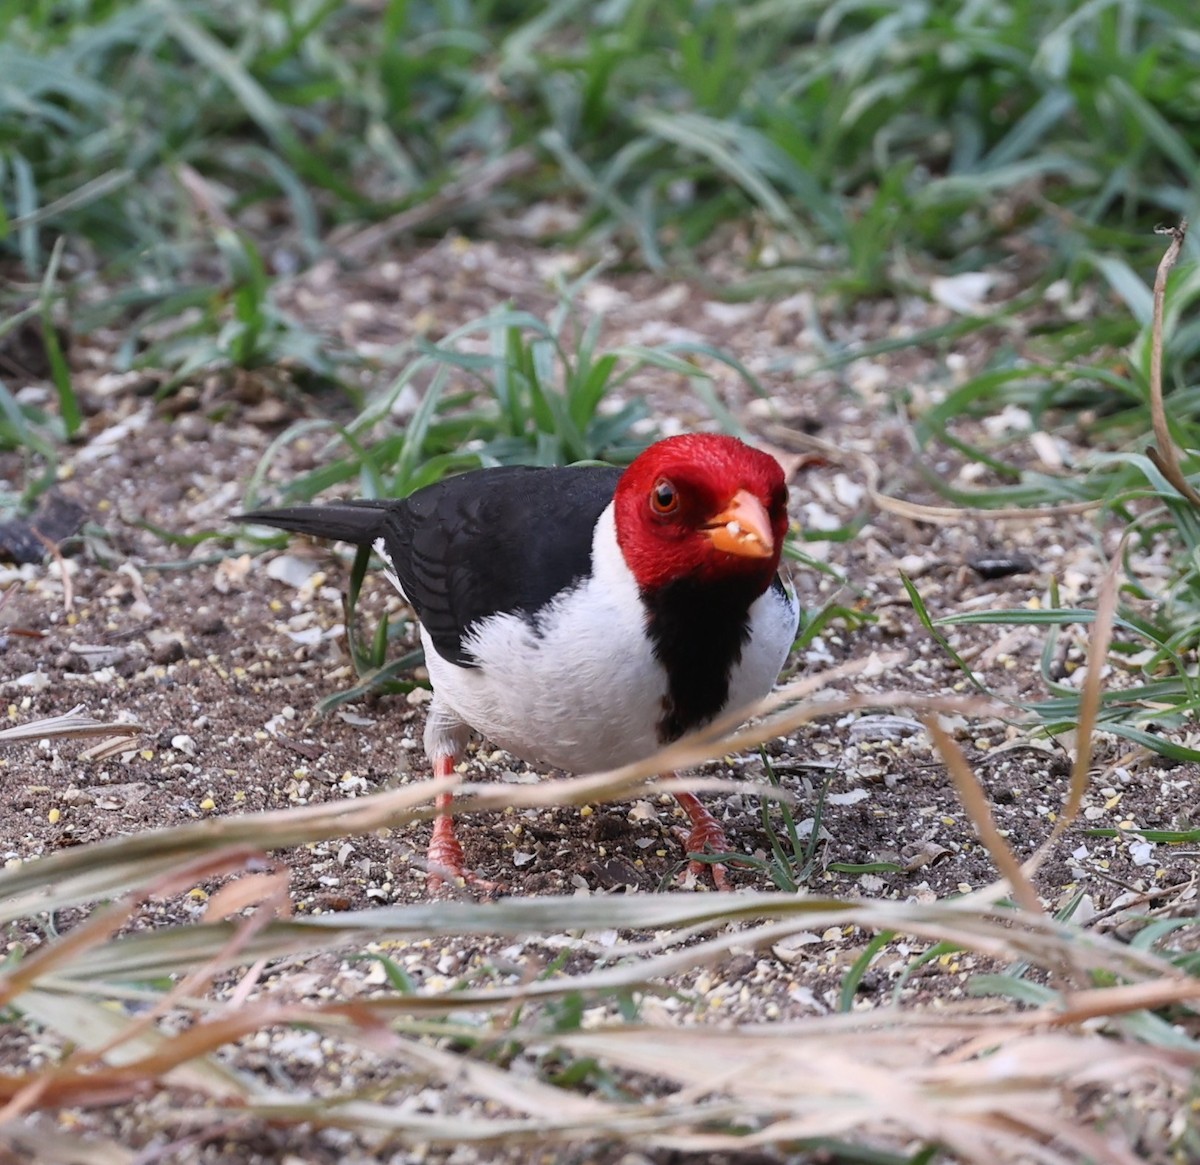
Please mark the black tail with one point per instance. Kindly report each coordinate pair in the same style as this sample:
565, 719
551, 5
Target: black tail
359, 522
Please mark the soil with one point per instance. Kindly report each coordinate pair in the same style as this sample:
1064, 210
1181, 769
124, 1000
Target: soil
222, 657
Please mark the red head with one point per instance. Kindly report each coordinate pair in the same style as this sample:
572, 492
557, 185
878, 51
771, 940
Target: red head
704, 507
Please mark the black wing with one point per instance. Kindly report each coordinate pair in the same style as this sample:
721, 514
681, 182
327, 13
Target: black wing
496, 540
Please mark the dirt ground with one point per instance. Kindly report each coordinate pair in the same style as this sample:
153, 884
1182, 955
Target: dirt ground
222, 652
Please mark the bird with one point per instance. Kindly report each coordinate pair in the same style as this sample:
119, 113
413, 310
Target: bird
585, 616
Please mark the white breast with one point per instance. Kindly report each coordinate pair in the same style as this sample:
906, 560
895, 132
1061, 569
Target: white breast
580, 689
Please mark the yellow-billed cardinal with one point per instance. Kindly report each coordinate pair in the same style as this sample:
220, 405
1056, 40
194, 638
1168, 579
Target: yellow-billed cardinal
583, 616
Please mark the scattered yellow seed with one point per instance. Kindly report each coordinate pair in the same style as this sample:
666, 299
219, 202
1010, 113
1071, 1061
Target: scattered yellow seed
1127, 824
239, 672
198, 894
104, 505
949, 821
1034, 604
239, 797
72, 619
1113, 802
208, 804
147, 754
585, 811
53, 816
275, 605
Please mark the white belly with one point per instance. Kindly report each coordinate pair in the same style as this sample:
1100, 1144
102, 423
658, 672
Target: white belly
581, 690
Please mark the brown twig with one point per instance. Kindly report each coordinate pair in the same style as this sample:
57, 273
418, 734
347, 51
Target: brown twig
1143, 898
1091, 692
1164, 455
971, 794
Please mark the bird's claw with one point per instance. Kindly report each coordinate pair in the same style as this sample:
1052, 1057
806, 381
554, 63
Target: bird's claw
445, 862
706, 836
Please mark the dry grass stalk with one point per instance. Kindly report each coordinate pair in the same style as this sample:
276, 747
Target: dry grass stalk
971, 794
987, 1088
47, 1145
1165, 456
72, 724
761, 919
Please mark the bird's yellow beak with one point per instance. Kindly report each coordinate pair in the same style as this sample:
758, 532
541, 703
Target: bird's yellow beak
743, 527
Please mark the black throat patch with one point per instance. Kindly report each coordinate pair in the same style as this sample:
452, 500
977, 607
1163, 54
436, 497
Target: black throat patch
698, 630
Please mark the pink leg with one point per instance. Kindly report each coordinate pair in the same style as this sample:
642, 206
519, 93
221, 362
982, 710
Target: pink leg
706, 836
445, 856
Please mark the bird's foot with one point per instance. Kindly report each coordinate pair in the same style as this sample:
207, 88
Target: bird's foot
445, 862
706, 835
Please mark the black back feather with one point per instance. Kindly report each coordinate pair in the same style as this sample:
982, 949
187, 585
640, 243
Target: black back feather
506, 539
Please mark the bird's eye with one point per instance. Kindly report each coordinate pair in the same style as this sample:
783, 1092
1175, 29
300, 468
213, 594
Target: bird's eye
663, 498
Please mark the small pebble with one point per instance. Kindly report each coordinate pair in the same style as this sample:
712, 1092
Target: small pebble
1000, 565
192, 426
167, 652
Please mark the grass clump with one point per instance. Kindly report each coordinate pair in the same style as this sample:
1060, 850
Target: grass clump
871, 142
507, 388
1147, 491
